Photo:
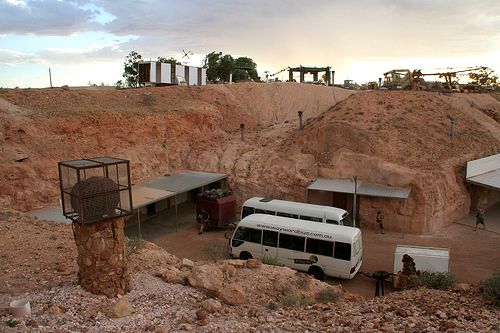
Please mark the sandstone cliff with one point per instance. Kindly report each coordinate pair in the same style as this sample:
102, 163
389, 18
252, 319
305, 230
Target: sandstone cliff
388, 138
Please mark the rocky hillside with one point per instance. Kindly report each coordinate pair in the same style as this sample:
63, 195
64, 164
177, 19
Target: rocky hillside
173, 295
388, 138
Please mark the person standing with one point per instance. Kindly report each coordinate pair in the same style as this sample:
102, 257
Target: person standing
203, 219
480, 218
380, 221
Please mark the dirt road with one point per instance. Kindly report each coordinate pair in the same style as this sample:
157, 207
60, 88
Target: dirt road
474, 256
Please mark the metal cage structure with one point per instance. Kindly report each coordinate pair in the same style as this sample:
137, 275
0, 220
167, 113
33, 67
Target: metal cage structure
95, 189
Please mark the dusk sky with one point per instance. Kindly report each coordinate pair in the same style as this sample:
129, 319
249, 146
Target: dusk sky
87, 41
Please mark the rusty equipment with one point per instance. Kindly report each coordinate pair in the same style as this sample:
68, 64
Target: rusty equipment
404, 79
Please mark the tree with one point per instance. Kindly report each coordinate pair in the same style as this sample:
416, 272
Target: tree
130, 69
211, 62
119, 84
245, 69
226, 67
483, 77
170, 60
219, 67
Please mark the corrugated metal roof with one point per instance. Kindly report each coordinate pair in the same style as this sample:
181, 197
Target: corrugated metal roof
489, 179
369, 189
333, 185
363, 188
143, 196
184, 181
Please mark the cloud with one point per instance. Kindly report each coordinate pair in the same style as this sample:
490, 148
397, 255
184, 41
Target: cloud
321, 30
12, 58
67, 56
46, 17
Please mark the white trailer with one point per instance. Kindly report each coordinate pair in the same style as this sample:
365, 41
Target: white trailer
153, 73
431, 259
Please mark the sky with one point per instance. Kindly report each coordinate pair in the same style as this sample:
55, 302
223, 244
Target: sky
86, 41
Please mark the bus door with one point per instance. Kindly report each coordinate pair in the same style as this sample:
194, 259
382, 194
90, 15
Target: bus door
270, 243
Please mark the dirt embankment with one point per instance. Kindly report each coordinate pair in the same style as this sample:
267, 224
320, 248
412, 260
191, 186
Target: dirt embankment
389, 138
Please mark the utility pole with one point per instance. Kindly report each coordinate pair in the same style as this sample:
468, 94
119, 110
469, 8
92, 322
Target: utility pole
242, 129
354, 208
50, 78
452, 129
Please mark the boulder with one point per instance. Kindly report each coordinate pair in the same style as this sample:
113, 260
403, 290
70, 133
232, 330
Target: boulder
237, 263
253, 263
187, 263
121, 308
54, 309
233, 294
462, 287
206, 277
231, 270
173, 275
201, 315
211, 305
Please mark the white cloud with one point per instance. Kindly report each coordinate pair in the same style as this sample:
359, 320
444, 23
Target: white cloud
66, 56
49, 17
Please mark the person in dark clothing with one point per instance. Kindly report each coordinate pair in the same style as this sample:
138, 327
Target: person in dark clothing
203, 219
480, 218
380, 221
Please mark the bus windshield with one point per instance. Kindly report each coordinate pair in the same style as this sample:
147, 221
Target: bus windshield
346, 220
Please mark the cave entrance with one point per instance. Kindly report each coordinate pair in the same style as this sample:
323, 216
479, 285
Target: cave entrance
164, 203
349, 193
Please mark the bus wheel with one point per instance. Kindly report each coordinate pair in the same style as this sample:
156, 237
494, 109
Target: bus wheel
245, 255
316, 272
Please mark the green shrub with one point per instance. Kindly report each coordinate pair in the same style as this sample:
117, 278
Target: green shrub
12, 323
291, 299
216, 250
328, 296
491, 289
269, 260
435, 280
133, 244
271, 305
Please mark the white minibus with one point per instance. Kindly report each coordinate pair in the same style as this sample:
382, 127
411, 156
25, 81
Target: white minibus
316, 248
296, 210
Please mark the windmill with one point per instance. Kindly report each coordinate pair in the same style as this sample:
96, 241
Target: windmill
186, 55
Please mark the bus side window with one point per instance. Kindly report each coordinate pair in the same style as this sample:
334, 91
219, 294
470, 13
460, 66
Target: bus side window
248, 234
310, 218
342, 251
247, 211
331, 222
270, 238
321, 247
292, 216
262, 211
290, 242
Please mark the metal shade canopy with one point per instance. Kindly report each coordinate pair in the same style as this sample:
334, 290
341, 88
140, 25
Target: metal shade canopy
363, 188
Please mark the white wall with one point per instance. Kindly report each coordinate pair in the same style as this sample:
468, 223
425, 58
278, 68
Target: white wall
179, 72
193, 76
152, 72
166, 73
203, 76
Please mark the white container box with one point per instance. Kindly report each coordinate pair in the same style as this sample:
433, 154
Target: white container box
431, 259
